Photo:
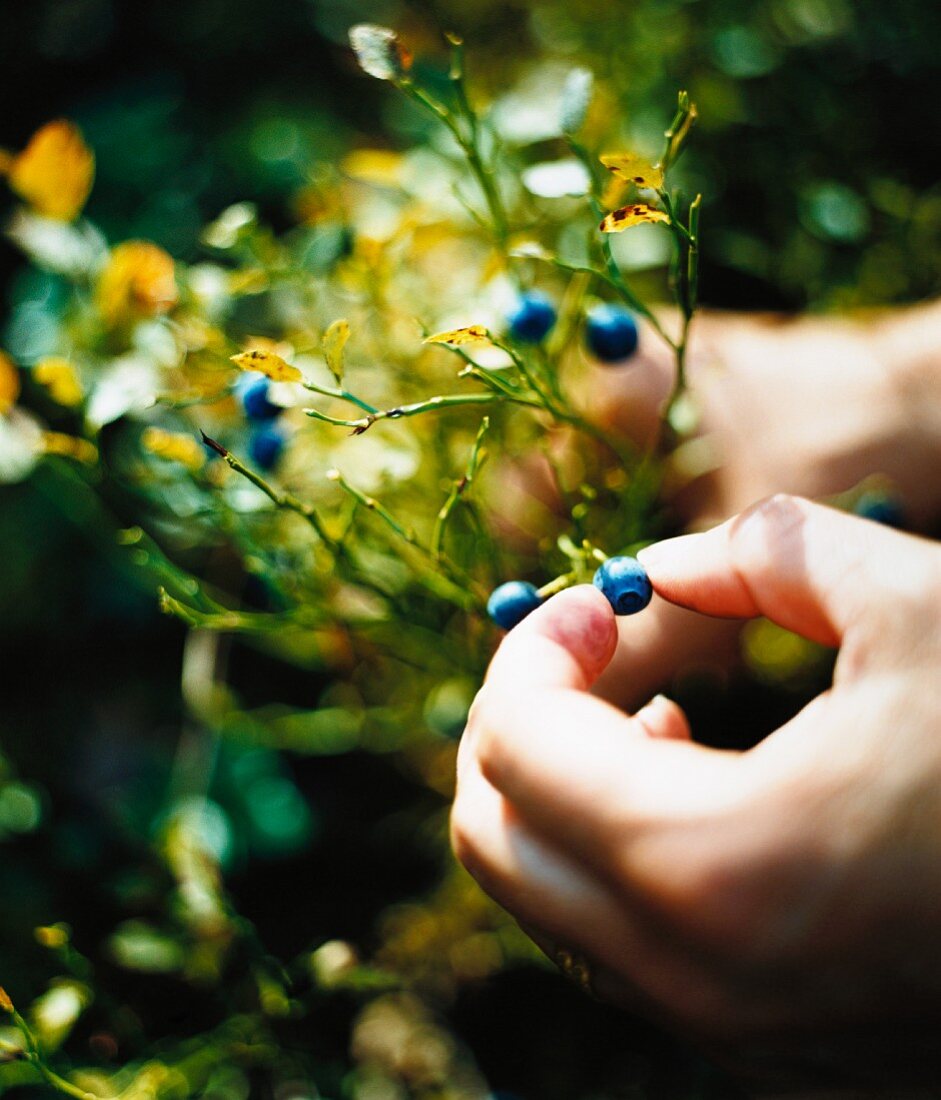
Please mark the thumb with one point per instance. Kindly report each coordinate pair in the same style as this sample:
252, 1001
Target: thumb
566, 643
806, 567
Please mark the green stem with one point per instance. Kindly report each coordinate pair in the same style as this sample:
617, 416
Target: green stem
283, 499
442, 401
470, 147
460, 588
340, 394
33, 1055
613, 277
459, 488
566, 580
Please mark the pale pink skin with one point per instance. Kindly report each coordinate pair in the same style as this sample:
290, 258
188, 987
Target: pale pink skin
782, 906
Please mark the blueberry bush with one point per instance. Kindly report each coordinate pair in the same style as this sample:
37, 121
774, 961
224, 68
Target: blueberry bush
360, 444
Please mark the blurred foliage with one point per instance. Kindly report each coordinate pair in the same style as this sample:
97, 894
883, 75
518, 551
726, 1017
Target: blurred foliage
232, 845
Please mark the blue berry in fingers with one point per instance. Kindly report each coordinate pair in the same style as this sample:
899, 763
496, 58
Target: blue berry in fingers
512, 602
623, 581
266, 445
252, 392
531, 317
881, 507
611, 333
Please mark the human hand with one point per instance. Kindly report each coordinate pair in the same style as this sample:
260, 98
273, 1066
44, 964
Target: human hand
808, 405
781, 906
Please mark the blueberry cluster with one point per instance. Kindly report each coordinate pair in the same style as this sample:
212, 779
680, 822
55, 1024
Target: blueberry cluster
610, 330
268, 439
623, 582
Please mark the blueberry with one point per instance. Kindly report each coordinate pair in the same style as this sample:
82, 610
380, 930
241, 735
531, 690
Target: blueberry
512, 602
252, 391
265, 446
611, 333
880, 507
624, 583
531, 317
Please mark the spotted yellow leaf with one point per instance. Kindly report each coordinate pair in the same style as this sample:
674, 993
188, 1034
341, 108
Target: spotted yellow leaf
174, 446
634, 169
54, 172
268, 364
61, 380
69, 446
634, 214
9, 383
458, 337
334, 341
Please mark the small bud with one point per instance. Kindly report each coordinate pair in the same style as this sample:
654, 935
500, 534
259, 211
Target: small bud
6, 1005
379, 52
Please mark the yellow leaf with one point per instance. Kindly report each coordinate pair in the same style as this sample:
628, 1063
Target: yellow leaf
9, 383
54, 172
267, 363
458, 337
382, 167
634, 169
334, 341
60, 378
635, 214
138, 281
69, 446
174, 446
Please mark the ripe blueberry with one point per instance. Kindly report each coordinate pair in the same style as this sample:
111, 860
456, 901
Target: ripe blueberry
624, 583
881, 507
531, 317
265, 446
252, 391
512, 602
611, 333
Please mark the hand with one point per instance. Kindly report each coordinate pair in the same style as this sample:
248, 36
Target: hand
782, 906
809, 405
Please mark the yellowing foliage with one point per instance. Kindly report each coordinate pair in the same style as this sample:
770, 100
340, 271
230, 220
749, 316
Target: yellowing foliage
60, 378
334, 341
268, 363
9, 383
137, 282
634, 214
634, 169
69, 446
382, 167
54, 173
174, 446
458, 337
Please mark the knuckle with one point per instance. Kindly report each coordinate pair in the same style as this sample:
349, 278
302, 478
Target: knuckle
775, 518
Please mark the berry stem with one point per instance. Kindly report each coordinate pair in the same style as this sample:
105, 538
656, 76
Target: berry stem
459, 587
459, 488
